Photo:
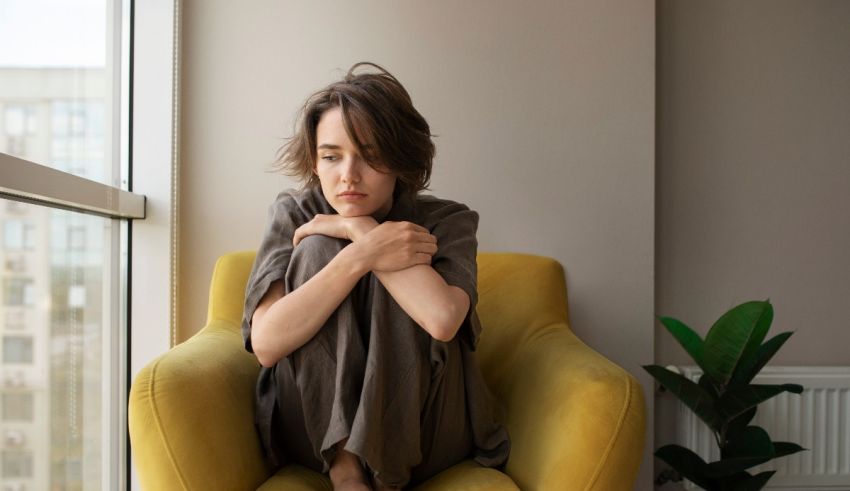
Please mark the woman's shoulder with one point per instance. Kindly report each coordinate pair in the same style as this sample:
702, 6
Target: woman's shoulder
430, 202
435, 209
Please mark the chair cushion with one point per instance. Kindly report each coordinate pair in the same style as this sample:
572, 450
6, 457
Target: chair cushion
294, 477
467, 475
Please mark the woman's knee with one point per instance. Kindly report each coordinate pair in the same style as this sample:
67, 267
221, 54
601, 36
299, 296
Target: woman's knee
314, 252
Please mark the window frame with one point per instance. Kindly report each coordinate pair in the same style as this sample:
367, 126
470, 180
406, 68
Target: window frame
154, 147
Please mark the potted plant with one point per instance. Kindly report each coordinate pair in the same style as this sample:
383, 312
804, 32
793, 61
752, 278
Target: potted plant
731, 355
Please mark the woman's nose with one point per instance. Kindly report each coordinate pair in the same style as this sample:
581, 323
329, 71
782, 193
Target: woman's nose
351, 171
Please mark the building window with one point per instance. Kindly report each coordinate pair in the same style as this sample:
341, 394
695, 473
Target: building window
16, 264
21, 119
16, 207
17, 463
15, 380
17, 406
21, 125
18, 234
18, 292
17, 349
14, 439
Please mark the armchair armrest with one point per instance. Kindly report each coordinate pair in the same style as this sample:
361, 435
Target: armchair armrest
576, 419
191, 415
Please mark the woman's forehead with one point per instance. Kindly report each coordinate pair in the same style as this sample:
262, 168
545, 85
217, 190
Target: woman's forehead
331, 132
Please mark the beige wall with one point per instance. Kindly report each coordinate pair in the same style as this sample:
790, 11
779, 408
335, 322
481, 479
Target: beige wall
545, 117
754, 172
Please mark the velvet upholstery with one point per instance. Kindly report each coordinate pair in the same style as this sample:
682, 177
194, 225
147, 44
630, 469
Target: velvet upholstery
576, 420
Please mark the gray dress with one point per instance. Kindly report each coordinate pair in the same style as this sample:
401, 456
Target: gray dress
410, 405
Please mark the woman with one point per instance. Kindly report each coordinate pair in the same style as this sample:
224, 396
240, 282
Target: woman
361, 303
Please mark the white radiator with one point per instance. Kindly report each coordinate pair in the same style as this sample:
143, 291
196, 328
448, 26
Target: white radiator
818, 419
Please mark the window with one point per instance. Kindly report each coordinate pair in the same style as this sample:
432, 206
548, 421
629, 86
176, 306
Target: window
18, 291
17, 463
16, 263
17, 349
21, 125
64, 94
17, 406
14, 439
18, 234
15, 379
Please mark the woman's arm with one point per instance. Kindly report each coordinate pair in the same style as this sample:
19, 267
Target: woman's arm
420, 291
436, 306
282, 323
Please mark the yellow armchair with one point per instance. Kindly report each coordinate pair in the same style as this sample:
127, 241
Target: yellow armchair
576, 420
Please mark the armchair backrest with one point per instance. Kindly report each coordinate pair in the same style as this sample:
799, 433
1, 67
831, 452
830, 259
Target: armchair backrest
520, 297
227, 288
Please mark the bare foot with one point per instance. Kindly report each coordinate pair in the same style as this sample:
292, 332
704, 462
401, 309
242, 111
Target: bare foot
351, 485
346, 472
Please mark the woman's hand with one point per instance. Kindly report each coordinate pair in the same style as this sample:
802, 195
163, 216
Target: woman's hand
393, 246
349, 228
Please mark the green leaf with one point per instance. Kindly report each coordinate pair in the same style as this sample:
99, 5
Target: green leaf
750, 367
690, 340
736, 336
786, 448
686, 462
738, 424
706, 383
751, 483
752, 442
739, 399
691, 394
749, 448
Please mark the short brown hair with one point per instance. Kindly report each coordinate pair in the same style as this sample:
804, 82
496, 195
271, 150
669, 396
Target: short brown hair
376, 107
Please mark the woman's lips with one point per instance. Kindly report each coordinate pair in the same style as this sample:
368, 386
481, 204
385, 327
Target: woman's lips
351, 196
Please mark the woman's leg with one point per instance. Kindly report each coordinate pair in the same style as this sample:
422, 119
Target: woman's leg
412, 405
318, 385
371, 385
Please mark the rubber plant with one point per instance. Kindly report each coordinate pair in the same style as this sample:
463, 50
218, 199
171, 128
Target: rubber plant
731, 355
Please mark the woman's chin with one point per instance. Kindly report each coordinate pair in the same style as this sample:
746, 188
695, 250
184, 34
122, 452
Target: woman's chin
351, 211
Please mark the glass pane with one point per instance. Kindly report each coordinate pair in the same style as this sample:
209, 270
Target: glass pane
56, 327
57, 90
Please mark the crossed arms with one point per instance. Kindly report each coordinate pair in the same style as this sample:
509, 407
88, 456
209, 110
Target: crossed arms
398, 253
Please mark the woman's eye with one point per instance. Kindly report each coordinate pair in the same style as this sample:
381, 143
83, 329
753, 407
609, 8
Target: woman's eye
329, 158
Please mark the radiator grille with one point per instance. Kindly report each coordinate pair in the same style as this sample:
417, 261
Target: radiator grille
818, 419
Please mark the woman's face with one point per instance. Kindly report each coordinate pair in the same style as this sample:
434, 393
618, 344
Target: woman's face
349, 183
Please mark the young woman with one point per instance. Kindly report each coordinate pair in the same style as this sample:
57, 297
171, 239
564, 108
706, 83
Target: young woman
360, 306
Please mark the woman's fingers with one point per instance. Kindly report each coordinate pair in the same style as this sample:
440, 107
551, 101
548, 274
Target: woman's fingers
299, 234
423, 258
427, 248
